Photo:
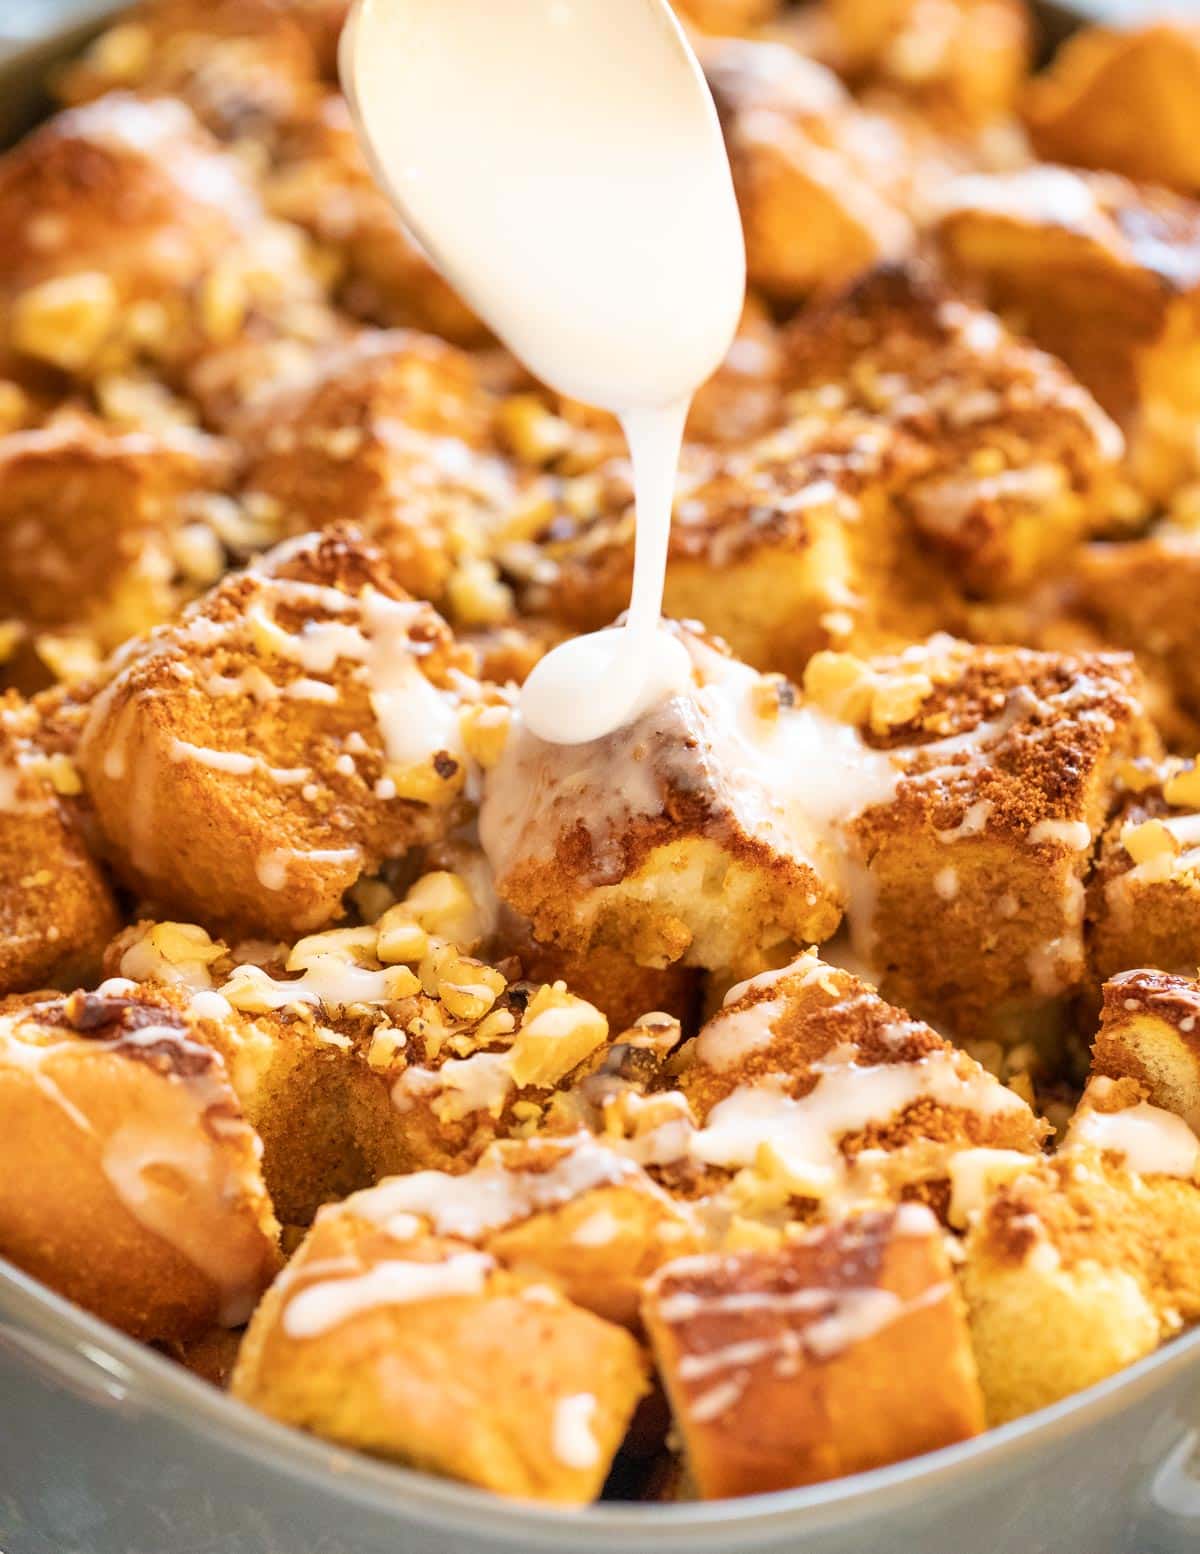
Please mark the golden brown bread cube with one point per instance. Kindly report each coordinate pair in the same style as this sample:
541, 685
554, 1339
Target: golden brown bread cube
1124, 99
133, 237
101, 531
1139, 594
423, 1349
968, 894
391, 432
1075, 1269
962, 61
298, 725
1144, 893
817, 1091
1103, 273
568, 1210
132, 1184
57, 910
1148, 1032
842, 1350
997, 457
657, 838
821, 183
244, 67
320, 180
390, 1047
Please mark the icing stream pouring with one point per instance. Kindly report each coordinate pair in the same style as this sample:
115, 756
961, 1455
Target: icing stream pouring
562, 163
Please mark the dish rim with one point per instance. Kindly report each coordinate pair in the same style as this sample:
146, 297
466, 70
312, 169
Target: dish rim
165, 1387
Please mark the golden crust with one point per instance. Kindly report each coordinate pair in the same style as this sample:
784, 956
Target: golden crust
991, 841
56, 907
299, 724
430, 1379
1001, 461
133, 1184
845, 1094
133, 236
1148, 1032
960, 61
392, 432
1103, 273
1072, 1271
100, 531
821, 183
1122, 99
839, 1352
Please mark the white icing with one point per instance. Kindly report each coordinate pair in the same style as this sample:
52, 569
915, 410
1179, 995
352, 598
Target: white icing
974, 1173
323, 1306
847, 1098
733, 1033
274, 867
491, 1197
237, 763
482, 1082
328, 980
574, 1443
1075, 834
1151, 1140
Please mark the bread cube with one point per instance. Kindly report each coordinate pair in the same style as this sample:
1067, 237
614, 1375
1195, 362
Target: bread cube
763, 551
1074, 1270
821, 184
1104, 274
132, 1182
1144, 894
658, 839
816, 1090
388, 1048
1148, 1033
841, 1351
102, 532
1123, 99
56, 906
298, 725
134, 238
244, 67
966, 886
423, 1349
997, 457
1138, 595
390, 432
961, 61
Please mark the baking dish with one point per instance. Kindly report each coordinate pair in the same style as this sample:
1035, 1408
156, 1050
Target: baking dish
106, 1448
